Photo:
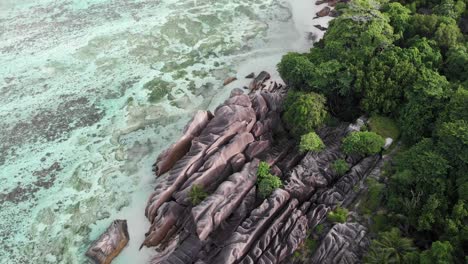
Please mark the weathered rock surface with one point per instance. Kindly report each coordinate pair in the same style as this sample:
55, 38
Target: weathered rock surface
263, 242
165, 223
170, 156
213, 167
110, 243
251, 229
344, 243
219, 206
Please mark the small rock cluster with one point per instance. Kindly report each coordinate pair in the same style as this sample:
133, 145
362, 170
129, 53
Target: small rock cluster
329, 10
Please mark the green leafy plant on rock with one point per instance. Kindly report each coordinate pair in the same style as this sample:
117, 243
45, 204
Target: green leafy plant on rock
263, 170
319, 229
364, 143
340, 166
266, 181
197, 194
311, 142
338, 215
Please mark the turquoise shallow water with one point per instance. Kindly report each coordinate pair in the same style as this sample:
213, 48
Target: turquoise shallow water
77, 132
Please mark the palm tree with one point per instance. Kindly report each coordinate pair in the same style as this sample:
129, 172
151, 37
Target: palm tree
389, 248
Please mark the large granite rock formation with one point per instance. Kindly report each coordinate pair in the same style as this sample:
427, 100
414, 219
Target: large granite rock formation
220, 153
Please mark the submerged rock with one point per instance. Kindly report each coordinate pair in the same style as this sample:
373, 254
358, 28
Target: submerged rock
110, 243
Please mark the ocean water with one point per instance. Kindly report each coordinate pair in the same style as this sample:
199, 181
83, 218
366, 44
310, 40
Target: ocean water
78, 134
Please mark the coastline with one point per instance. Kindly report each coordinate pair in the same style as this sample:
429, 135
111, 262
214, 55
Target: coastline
299, 29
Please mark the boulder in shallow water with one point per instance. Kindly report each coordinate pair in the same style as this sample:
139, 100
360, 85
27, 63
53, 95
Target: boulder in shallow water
229, 80
259, 80
334, 13
250, 76
324, 12
110, 243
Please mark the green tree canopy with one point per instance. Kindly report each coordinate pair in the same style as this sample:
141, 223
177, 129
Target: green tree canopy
418, 189
304, 112
439, 253
363, 143
399, 17
296, 70
311, 142
456, 67
387, 76
389, 247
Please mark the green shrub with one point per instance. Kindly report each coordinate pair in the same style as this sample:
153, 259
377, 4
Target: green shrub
319, 228
304, 112
384, 126
197, 194
295, 69
263, 170
311, 142
311, 245
266, 181
338, 215
340, 166
364, 143
267, 185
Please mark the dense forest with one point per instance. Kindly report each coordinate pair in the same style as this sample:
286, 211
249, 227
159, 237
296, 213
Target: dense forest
405, 65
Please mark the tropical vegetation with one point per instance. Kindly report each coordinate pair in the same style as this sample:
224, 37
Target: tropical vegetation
406, 63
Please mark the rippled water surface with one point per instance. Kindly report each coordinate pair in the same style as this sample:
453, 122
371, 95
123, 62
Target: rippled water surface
78, 131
